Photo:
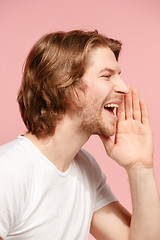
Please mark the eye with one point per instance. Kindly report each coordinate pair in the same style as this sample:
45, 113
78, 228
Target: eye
107, 76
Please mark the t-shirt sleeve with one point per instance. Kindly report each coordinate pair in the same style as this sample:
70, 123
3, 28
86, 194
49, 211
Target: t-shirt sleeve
103, 193
11, 199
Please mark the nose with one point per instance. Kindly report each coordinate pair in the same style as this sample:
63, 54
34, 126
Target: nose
120, 86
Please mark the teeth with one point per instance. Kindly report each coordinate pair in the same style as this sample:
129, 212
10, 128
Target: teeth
112, 105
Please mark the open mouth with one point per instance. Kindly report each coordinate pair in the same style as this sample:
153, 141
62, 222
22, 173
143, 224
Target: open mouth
111, 108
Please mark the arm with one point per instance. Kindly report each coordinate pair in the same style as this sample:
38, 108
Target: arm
146, 205
133, 150
111, 222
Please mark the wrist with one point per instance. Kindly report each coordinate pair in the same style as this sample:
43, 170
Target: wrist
139, 170
141, 178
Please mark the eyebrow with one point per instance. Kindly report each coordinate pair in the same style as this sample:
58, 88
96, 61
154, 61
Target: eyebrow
109, 70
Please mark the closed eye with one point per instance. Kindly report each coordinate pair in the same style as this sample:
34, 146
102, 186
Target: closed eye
107, 76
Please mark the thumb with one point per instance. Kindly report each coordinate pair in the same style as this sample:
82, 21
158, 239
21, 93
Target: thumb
108, 144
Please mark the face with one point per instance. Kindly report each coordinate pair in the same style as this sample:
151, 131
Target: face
103, 92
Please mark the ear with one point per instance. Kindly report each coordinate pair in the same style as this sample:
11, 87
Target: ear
77, 96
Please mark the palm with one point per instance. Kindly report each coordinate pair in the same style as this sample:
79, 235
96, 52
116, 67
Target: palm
133, 139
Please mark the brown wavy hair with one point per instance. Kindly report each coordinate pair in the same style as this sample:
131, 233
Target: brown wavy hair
53, 67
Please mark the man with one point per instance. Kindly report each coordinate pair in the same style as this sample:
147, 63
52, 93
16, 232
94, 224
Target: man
52, 189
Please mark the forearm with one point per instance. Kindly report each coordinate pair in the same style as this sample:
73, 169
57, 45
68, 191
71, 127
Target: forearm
146, 205
133, 150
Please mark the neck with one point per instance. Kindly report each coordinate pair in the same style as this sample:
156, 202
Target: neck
62, 147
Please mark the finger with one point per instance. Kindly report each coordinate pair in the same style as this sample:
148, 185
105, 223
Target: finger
136, 105
121, 111
144, 112
128, 104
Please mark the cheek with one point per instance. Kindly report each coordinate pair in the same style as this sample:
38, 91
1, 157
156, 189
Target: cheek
98, 92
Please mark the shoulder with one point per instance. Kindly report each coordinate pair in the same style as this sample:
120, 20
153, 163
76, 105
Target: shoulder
14, 160
86, 159
88, 165
12, 149
13, 184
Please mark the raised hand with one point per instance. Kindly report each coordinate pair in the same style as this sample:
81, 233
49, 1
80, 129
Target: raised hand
133, 146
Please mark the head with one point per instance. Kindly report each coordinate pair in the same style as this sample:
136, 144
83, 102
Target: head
103, 93
53, 69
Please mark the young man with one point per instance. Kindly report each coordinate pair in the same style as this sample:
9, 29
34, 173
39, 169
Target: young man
49, 187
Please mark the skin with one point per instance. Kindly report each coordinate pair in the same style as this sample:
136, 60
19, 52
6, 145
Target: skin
102, 87
132, 149
134, 134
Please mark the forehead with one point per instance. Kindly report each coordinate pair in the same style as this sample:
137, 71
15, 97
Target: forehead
102, 58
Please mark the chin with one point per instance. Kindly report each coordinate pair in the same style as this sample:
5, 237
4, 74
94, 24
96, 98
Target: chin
109, 134
101, 128
105, 132
109, 130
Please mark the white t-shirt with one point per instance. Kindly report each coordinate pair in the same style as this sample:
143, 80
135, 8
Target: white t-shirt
37, 201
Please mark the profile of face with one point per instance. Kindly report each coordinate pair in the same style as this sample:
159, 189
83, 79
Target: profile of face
103, 93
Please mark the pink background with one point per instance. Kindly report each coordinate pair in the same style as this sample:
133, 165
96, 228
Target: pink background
136, 23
